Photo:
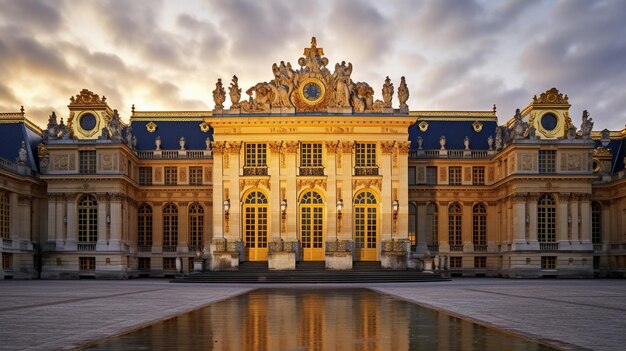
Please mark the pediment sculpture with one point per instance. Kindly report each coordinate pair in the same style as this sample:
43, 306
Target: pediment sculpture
311, 88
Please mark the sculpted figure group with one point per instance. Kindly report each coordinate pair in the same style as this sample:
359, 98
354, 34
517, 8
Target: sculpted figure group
341, 93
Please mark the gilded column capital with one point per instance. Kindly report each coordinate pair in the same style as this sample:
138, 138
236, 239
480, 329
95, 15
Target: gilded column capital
291, 146
274, 146
332, 147
403, 147
218, 147
387, 146
233, 147
346, 146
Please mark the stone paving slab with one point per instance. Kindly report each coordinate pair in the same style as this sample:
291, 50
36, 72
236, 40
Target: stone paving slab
570, 314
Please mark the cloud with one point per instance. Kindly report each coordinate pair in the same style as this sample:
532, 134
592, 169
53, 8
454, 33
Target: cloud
35, 15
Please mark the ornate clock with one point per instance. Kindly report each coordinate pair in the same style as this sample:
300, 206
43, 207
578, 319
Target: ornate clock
312, 91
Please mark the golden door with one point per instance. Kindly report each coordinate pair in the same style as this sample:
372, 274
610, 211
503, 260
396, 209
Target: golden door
366, 227
312, 226
255, 210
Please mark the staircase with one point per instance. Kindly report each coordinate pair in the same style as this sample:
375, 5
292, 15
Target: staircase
309, 272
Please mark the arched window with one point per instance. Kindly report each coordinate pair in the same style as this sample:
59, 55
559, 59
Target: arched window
144, 227
196, 225
170, 227
4, 215
596, 223
479, 227
546, 219
454, 227
412, 226
432, 229
87, 219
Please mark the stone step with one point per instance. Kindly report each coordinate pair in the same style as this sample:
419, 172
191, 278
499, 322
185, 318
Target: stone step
309, 276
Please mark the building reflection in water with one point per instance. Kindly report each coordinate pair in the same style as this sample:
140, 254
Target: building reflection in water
321, 319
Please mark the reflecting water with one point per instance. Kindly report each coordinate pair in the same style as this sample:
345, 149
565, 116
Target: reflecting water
323, 319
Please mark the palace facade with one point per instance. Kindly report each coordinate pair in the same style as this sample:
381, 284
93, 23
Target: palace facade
311, 168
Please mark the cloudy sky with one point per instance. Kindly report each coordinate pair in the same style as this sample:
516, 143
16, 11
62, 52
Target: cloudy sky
455, 54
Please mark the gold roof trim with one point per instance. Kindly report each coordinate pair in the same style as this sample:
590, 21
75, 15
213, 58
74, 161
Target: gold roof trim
170, 115
455, 115
19, 117
613, 134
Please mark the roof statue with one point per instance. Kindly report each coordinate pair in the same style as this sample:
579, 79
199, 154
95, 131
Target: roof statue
219, 95
86, 97
586, 126
311, 88
235, 92
552, 96
403, 95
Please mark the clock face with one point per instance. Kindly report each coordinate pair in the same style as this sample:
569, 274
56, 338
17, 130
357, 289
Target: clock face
312, 91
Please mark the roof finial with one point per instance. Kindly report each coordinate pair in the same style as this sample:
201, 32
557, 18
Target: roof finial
132, 109
22, 109
313, 43
494, 108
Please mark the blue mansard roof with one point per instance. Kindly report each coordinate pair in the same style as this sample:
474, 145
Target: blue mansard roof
14, 128
170, 130
455, 128
619, 152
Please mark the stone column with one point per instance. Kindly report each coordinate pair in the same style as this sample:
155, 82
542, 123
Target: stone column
116, 217
400, 166
347, 193
573, 205
442, 227
331, 191
232, 170
562, 226
519, 222
218, 190
291, 194
273, 165
103, 227
585, 222
183, 227
157, 227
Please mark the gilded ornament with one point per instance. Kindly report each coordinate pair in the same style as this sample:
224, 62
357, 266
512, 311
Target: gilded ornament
423, 126
151, 127
204, 127
477, 126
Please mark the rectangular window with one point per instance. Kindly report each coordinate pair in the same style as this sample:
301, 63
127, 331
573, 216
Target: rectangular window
7, 261
144, 264
365, 155
431, 175
548, 262
412, 180
195, 175
365, 159
311, 155
547, 161
145, 175
171, 175
478, 175
480, 262
454, 175
87, 162
256, 155
456, 262
169, 263
87, 263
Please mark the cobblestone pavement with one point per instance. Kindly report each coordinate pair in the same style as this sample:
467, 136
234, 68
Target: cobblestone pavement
570, 314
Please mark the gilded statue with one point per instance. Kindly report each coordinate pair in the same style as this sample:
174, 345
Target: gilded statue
219, 95
235, 92
387, 92
403, 93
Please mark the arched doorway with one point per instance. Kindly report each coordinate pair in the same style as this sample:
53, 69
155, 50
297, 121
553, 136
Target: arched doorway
312, 226
366, 225
255, 225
